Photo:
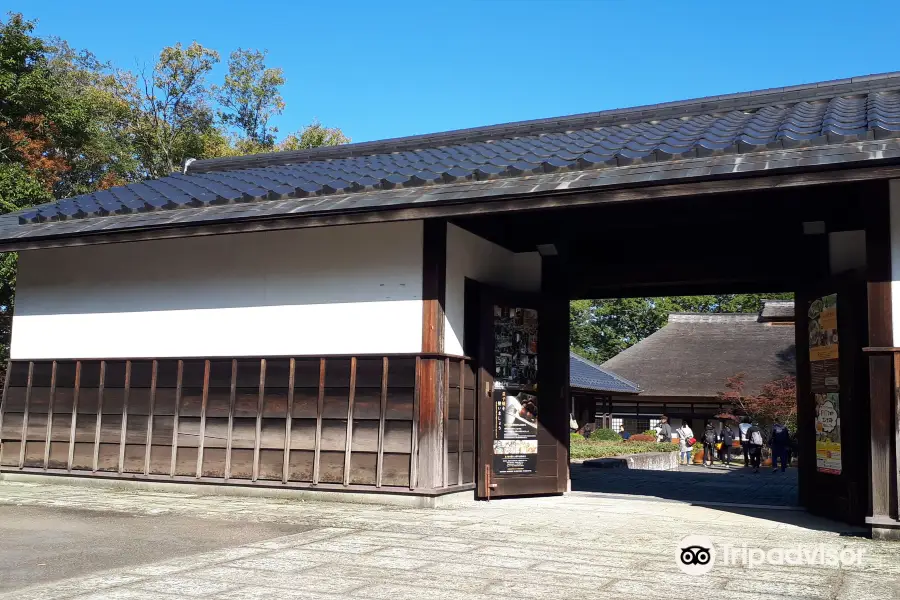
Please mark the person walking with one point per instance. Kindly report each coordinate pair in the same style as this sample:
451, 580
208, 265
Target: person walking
745, 444
685, 434
754, 446
780, 443
709, 445
726, 436
624, 434
665, 430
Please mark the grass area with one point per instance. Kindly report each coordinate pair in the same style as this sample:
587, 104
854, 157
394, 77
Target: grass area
582, 449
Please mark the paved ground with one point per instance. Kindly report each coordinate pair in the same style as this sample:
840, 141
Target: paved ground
542, 548
693, 483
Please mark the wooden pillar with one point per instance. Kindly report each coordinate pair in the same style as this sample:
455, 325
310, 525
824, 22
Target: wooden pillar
553, 362
430, 374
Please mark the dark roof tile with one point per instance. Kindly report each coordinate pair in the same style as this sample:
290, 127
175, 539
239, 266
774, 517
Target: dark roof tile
585, 375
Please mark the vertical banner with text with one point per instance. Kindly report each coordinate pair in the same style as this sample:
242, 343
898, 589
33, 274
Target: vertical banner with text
824, 364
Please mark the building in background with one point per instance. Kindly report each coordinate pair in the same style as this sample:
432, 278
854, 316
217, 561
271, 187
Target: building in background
592, 388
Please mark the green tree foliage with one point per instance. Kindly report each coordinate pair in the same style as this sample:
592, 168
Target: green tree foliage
314, 135
250, 96
600, 329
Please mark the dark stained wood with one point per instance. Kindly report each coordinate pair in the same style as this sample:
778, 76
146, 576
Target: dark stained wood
460, 447
3, 400
150, 413
25, 415
430, 429
288, 422
896, 486
379, 465
348, 447
173, 464
125, 398
75, 394
434, 284
320, 407
204, 405
49, 416
414, 451
445, 426
99, 422
232, 398
260, 405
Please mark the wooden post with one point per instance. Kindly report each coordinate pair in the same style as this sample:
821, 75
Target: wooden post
414, 450
175, 419
445, 426
203, 404
259, 413
99, 420
462, 421
152, 409
25, 415
379, 465
320, 406
897, 432
49, 416
74, 415
230, 419
286, 466
3, 400
123, 438
348, 440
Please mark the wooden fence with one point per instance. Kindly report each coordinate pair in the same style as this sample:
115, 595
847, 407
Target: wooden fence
342, 422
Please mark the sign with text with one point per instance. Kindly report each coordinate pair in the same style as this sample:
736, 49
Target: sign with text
824, 364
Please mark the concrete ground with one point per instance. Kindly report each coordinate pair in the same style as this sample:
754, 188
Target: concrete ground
140, 545
693, 483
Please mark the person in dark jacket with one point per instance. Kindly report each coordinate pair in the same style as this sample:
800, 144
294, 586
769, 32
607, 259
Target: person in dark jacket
709, 445
754, 446
726, 436
665, 430
780, 442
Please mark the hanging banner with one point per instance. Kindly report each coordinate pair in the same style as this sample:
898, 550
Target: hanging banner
825, 382
515, 391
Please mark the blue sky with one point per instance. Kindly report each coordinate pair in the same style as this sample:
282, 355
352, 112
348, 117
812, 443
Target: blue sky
386, 69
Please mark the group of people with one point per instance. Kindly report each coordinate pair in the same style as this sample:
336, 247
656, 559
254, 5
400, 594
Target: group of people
720, 442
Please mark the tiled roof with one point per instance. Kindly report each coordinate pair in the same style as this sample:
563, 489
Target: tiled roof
777, 310
706, 137
584, 374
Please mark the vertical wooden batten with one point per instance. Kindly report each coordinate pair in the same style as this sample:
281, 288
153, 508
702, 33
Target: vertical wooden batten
203, 404
123, 438
72, 431
288, 425
150, 413
320, 406
414, 450
5, 395
231, 401
49, 416
348, 441
25, 415
99, 422
175, 419
462, 421
379, 464
260, 405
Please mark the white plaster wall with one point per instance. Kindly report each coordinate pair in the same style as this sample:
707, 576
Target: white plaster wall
895, 256
331, 290
469, 255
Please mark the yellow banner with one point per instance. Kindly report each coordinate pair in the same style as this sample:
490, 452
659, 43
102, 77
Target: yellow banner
817, 353
828, 319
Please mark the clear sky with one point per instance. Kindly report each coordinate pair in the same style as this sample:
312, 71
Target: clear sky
381, 69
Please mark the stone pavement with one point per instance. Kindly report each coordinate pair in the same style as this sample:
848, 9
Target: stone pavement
542, 548
693, 483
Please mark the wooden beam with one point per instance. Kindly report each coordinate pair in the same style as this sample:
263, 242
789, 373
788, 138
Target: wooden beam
99, 419
320, 406
49, 416
230, 433
462, 421
203, 405
379, 464
260, 405
75, 395
124, 433
288, 425
5, 395
348, 439
25, 415
148, 448
175, 419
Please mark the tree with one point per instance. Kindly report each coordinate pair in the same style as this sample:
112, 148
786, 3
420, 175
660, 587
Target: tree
600, 329
251, 96
776, 401
171, 110
314, 135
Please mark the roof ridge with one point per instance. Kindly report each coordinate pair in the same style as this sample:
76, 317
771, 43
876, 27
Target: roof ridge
648, 112
615, 376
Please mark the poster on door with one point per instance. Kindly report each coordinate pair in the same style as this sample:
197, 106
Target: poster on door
824, 364
515, 391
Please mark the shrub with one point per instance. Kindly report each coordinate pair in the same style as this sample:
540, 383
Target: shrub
642, 437
585, 449
605, 435
651, 432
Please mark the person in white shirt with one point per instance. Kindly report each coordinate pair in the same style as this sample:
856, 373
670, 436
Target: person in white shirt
684, 434
745, 442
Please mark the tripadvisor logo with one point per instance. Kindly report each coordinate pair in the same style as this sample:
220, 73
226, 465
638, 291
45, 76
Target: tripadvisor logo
696, 555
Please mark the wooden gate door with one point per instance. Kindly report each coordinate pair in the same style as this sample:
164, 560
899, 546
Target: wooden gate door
517, 454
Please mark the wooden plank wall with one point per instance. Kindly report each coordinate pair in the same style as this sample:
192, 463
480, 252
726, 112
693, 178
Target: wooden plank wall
338, 421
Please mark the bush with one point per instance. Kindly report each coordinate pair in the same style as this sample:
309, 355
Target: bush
651, 432
605, 435
642, 437
585, 449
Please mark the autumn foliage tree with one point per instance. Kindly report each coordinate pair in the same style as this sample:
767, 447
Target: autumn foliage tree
776, 401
